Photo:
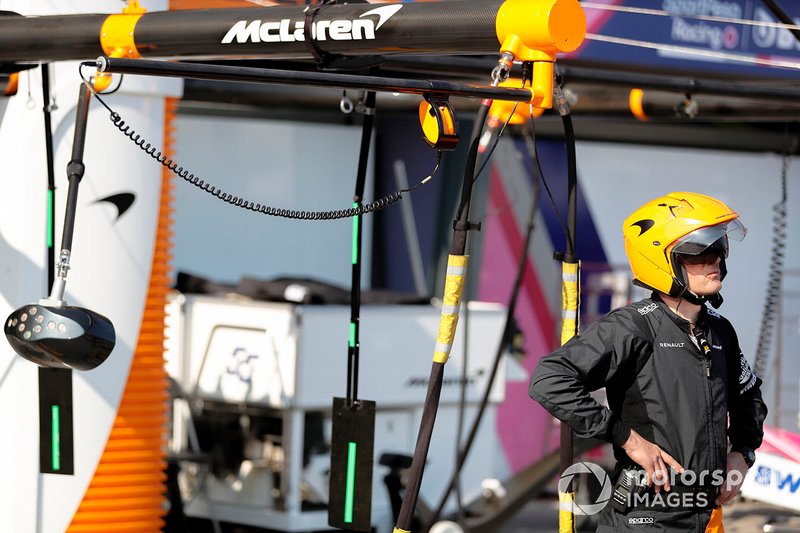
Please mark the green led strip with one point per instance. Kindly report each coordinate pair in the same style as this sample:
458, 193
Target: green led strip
352, 341
49, 219
355, 235
56, 437
351, 482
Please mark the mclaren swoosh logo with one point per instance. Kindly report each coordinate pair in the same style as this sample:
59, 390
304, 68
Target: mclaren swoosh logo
384, 13
122, 201
644, 225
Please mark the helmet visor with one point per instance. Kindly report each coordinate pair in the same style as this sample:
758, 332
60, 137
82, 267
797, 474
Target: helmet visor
710, 239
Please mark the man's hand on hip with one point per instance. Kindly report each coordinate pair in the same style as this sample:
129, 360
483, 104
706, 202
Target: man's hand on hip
653, 459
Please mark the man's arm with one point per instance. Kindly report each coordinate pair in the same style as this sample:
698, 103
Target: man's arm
746, 408
746, 414
563, 380
608, 353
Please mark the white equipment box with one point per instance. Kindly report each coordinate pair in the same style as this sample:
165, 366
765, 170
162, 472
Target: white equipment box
262, 361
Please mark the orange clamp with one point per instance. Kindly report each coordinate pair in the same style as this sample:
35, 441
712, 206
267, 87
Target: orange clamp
117, 38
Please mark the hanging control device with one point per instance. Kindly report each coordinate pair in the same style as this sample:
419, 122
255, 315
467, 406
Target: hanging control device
60, 337
49, 333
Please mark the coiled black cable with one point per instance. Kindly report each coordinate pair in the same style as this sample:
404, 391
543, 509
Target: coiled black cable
243, 203
778, 255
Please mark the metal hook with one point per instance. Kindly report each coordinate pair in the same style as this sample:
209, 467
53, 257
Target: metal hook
688, 108
345, 104
31, 103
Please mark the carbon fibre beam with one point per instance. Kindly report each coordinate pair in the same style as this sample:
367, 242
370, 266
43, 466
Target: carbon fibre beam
457, 27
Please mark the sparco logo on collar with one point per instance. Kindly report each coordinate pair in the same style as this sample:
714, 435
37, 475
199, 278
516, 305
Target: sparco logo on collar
646, 309
286, 31
640, 520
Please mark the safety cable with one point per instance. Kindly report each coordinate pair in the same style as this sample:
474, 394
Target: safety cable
491, 149
527, 72
508, 329
709, 18
556, 212
243, 203
777, 259
761, 61
782, 16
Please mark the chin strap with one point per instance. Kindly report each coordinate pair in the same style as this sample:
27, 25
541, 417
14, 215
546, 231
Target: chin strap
714, 299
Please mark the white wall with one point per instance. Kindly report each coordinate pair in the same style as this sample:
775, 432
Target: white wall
110, 262
298, 166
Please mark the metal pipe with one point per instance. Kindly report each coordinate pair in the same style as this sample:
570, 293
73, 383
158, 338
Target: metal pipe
434, 88
690, 85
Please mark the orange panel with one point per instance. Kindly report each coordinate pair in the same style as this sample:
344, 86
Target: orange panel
127, 491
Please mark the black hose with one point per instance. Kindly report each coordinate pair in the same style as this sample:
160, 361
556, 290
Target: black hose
508, 331
566, 444
431, 406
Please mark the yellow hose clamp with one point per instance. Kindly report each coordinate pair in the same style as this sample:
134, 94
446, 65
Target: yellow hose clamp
117, 39
535, 31
438, 123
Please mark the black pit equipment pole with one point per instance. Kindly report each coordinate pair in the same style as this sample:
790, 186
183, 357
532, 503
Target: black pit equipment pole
75, 170
570, 271
355, 287
51, 177
352, 419
199, 71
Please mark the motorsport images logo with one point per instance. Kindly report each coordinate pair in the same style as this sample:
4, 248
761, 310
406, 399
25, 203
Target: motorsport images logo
566, 500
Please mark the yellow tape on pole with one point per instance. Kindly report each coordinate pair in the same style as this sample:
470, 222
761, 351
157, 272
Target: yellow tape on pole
453, 288
570, 321
565, 518
570, 274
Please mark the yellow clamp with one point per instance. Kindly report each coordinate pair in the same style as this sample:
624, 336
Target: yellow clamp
117, 40
515, 113
536, 30
451, 303
636, 103
438, 123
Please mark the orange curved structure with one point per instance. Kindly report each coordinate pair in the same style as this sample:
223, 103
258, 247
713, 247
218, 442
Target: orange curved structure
127, 491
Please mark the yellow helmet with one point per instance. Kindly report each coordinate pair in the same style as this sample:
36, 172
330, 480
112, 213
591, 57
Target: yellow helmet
678, 223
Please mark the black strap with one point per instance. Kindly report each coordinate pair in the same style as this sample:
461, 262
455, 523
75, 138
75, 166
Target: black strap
328, 60
323, 58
